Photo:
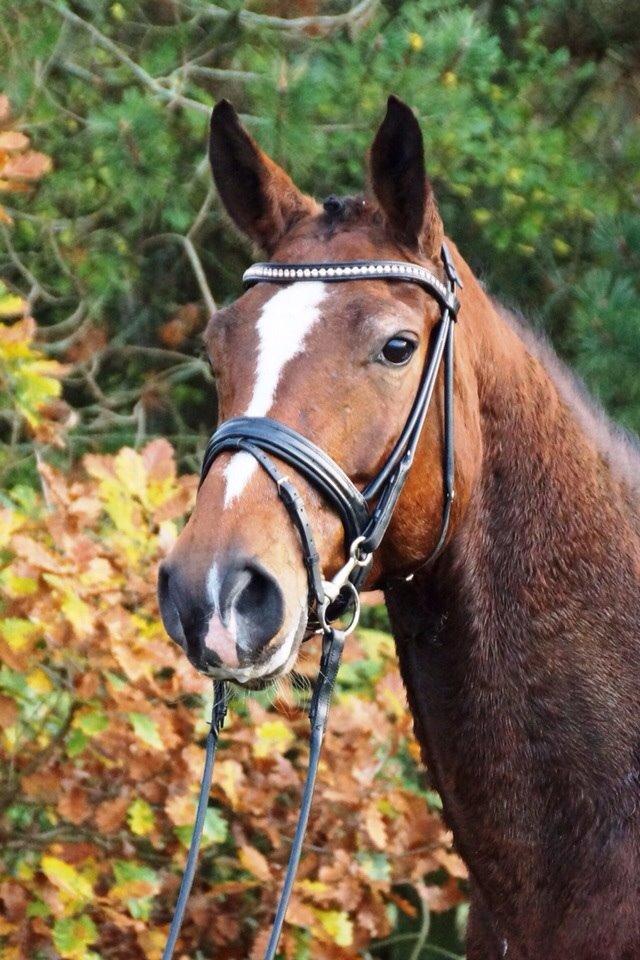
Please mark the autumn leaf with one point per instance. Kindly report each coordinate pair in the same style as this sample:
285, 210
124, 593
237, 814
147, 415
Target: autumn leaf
41, 785
28, 380
146, 730
12, 140
337, 926
8, 711
11, 305
110, 815
136, 884
18, 633
375, 826
78, 613
74, 805
96, 668
181, 809
38, 681
272, 736
229, 777
66, 878
254, 862
28, 166
140, 817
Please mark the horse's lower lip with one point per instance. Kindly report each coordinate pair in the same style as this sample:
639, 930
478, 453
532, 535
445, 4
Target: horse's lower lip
251, 683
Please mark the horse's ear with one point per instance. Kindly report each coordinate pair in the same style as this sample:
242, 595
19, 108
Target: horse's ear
260, 198
400, 183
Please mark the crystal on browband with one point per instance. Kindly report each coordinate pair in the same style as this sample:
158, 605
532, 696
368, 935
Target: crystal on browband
353, 270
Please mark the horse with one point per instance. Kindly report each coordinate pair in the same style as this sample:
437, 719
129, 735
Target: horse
518, 644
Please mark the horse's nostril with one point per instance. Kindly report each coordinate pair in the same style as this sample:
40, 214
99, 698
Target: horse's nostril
230, 628
254, 597
168, 606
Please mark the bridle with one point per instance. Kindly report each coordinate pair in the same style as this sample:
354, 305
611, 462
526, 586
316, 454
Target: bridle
365, 516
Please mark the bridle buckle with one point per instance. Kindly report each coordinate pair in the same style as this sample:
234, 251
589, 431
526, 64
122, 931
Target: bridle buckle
333, 588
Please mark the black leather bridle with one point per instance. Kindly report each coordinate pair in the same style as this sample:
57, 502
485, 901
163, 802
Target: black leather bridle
365, 516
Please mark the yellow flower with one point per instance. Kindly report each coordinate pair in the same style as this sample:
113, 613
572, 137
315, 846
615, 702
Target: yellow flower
416, 42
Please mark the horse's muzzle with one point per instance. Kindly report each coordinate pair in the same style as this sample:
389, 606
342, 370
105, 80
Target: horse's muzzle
227, 627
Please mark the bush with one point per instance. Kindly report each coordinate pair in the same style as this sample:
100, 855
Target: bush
534, 153
101, 715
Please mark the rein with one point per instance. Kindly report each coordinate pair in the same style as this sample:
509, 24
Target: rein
365, 516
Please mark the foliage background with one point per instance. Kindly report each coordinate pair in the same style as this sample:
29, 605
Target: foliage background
112, 239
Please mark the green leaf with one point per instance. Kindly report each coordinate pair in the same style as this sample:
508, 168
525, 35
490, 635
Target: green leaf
146, 730
72, 936
76, 742
91, 722
38, 908
215, 830
375, 865
137, 885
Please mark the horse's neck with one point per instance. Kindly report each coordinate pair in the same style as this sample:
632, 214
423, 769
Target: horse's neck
520, 652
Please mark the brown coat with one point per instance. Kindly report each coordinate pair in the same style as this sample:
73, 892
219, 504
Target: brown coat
520, 648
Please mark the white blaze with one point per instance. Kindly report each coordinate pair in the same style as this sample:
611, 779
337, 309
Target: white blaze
283, 324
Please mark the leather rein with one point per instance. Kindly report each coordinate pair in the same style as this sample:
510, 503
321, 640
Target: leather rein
365, 516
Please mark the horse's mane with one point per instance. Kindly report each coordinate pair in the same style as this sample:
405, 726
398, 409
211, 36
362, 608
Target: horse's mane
618, 446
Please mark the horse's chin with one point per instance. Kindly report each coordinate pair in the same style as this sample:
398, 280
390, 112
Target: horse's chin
261, 683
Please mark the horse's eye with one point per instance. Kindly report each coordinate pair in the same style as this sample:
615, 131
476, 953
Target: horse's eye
398, 350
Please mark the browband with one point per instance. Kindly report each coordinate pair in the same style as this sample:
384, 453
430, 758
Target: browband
334, 272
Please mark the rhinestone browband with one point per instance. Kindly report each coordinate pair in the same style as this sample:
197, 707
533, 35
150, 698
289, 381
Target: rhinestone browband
353, 270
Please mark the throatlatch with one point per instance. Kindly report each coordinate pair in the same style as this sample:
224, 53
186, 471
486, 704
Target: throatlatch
365, 516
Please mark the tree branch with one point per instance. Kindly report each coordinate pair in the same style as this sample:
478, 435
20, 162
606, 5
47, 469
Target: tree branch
323, 24
139, 72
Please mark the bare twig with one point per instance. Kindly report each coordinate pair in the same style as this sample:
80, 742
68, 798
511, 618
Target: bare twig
216, 73
37, 290
423, 933
202, 214
195, 261
139, 72
319, 25
200, 276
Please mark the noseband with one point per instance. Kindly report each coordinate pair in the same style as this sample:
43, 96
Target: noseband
365, 516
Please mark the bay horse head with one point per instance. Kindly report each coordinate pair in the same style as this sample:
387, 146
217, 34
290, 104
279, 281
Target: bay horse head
339, 364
